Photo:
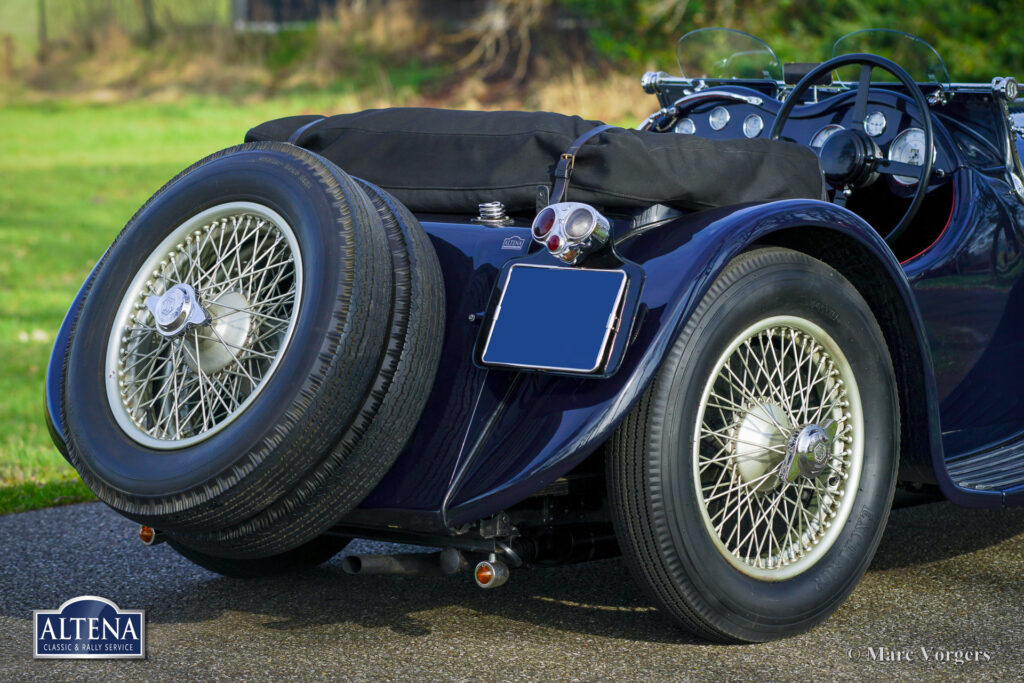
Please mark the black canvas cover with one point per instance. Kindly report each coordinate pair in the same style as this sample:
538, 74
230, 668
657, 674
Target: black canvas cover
437, 160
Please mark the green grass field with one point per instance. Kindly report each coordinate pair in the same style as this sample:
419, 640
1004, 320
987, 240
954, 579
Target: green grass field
71, 175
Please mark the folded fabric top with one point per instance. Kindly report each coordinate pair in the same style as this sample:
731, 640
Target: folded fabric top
445, 161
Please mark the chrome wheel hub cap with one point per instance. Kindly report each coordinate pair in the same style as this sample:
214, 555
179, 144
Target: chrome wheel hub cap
203, 325
778, 448
175, 309
808, 451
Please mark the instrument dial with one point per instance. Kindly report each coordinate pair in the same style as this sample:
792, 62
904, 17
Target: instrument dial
818, 141
686, 126
908, 148
718, 117
874, 124
753, 125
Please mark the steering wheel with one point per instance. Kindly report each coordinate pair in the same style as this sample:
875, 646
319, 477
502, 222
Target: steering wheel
850, 158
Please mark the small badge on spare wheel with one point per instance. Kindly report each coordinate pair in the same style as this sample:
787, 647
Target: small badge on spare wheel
170, 306
820, 452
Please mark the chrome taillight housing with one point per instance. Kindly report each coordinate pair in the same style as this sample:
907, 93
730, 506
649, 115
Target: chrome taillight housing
570, 230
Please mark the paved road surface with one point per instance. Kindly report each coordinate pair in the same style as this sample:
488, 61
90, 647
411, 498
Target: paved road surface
945, 579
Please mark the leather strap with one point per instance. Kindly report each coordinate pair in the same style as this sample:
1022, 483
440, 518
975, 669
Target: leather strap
293, 139
563, 171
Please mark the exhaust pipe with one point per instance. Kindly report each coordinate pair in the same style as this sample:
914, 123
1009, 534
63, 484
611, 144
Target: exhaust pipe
409, 564
568, 545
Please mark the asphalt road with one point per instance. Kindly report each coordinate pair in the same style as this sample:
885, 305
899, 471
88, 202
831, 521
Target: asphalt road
945, 580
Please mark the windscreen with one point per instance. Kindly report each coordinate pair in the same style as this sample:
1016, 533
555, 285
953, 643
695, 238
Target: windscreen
915, 56
726, 54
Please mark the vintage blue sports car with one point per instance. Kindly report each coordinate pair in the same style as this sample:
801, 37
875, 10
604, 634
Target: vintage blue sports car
716, 345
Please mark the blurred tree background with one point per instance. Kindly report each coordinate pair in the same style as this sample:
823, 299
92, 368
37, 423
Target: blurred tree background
490, 53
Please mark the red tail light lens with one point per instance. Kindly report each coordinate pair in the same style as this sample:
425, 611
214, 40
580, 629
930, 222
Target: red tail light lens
554, 243
543, 222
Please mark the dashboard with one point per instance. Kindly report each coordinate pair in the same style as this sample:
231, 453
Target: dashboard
892, 122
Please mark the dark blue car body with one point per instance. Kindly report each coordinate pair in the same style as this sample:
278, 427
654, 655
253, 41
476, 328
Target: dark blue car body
490, 438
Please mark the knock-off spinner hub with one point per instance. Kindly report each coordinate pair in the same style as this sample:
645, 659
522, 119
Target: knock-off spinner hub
225, 325
175, 309
808, 451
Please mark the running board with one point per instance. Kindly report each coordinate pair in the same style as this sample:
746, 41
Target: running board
997, 470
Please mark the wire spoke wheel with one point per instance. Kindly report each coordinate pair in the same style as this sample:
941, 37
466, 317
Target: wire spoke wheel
203, 324
748, 497
252, 354
778, 448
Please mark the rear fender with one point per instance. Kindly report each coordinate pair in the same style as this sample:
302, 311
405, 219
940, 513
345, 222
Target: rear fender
547, 425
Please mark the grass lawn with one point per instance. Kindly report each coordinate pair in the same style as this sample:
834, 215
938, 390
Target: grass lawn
71, 175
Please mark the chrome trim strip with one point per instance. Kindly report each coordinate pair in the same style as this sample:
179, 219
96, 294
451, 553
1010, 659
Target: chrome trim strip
716, 95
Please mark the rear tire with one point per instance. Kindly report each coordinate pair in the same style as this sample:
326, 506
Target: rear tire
724, 544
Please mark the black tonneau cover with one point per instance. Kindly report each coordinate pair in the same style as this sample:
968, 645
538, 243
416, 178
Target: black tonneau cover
444, 161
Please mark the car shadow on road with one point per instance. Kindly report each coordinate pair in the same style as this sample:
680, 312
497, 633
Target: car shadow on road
933, 532
599, 598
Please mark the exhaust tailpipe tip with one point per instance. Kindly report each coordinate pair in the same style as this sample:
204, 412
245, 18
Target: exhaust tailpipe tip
410, 564
351, 564
453, 561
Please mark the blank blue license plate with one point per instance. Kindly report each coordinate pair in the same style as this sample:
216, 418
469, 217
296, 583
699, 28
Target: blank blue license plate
555, 318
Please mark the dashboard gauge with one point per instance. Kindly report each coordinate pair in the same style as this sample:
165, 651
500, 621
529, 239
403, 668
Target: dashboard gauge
908, 148
686, 126
753, 125
818, 141
874, 124
718, 117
